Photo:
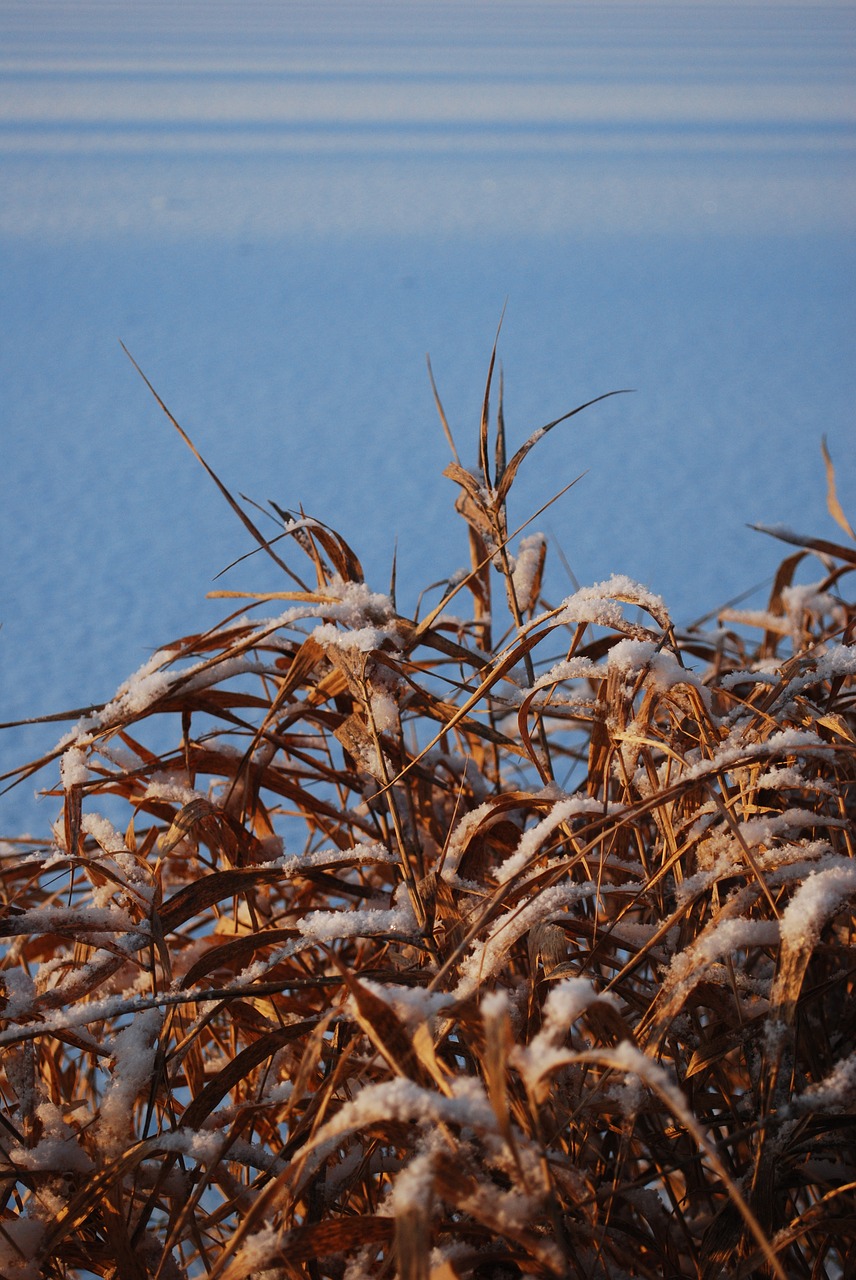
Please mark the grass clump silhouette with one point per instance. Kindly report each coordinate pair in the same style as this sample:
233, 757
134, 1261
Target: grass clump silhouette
361, 985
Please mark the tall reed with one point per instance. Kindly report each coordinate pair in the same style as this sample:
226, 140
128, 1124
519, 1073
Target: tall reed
442, 946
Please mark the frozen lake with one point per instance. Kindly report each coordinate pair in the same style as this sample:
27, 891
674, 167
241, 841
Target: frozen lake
280, 208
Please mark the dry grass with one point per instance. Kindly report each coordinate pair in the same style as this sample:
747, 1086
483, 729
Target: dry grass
433, 952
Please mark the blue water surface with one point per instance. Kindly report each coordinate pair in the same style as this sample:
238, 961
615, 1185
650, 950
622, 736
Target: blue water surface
662, 200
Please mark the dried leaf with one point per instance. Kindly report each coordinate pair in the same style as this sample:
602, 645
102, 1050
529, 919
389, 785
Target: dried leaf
832, 502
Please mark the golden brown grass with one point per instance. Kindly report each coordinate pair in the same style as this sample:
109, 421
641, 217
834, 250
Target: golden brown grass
436, 952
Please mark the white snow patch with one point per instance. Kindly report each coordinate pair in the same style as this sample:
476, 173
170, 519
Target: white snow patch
73, 768
567, 1001
57, 1151
20, 994
414, 1005
600, 603
364, 639
102, 830
408, 1102
164, 787
141, 689
526, 564
568, 669
495, 1004
721, 940
257, 1250
134, 1050
663, 668
369, 852
834, 1093
808, 598
737, 749
414, 1185
839, 661
532, 840
485, 957
206, 1148
460, 837
327, 926
83, 919
384, 711
818, 898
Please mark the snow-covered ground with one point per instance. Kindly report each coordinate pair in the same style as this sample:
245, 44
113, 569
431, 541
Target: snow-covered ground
281, 207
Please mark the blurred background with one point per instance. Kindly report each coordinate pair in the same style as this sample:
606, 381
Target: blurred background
280, 208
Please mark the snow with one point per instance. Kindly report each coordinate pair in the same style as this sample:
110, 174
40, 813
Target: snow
95, 1010
526, 564
413, 1186
566, 1002
408, 1102
734, 678
591, 605
485, 957
470, 823
369, 852
568, 669
495, 1004
366, 618
164, 787
257, 1249
761, 619
102, 830
632, 1060
147, 686
815, 902
631, 656
207, 1148
358, 603
363, 639
798, 600
135, 876
809, 599
736, 749
73, 769
57, 1151
834, 1094
414, 1005
328, 926
532, 840
725, 938
600, 603
840, 660
720, 854
140, 690
789, 776
20, 992
662, 668
767, 829
134, 1049
384, 711
97, 919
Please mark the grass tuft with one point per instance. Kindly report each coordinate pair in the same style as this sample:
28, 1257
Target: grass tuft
512, 939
